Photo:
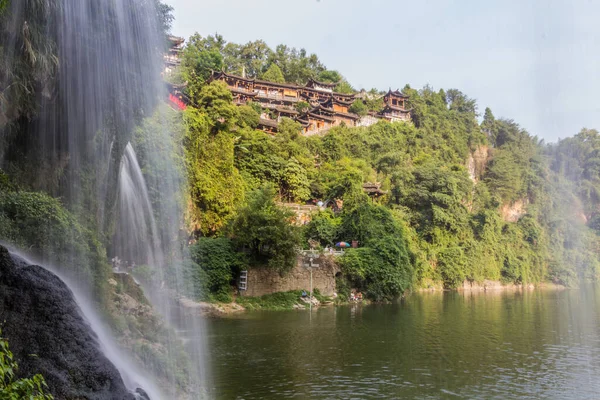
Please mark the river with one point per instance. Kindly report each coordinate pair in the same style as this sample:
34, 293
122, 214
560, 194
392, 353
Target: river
537, 344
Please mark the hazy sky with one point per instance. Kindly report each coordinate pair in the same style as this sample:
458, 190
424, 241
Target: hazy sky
537, 62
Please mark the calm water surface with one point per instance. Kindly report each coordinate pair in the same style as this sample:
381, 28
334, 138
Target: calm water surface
536, 345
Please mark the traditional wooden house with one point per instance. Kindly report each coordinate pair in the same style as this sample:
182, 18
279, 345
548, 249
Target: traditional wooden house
268, 125
394, 114
347, 119
279, 100
336, 104
373, 189
318, 92
320, 119
276, 112
320, 86
344, 97
340, 111
172, 58
276, 93
312, 96
177, 99
395, 99
241, 88
395, 107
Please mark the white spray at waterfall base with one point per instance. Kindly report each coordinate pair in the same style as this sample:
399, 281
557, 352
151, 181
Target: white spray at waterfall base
132, 376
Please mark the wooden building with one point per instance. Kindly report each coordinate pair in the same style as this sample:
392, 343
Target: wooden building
394, 109
395, 99
268, 125
276, 93
319, 120
327, 107
172, 58
373, 189
320, 86
337, 105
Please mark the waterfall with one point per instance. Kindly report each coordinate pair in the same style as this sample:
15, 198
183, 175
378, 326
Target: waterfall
89, 76
136, 238
132, 376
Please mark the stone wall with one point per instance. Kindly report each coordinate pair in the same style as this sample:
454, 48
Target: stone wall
263, 281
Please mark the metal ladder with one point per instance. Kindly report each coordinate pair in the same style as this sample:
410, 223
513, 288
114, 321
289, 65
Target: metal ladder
243, 280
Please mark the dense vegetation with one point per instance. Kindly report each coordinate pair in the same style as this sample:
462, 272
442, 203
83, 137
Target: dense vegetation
11, 388
466, 200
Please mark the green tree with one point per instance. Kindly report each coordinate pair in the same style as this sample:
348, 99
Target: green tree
215, 185
219, 261
254, 57
359, 108
33, 388
201, 57
459, 101
28, 60
197, 65
297, 65
324, 227
165, 16
302, 106
383, 266
344, 87
215, 100
329, 76
294, 185
264, 232
248, 116
488, 125
274, 74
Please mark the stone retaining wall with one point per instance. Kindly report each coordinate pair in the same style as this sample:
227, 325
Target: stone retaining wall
263, 281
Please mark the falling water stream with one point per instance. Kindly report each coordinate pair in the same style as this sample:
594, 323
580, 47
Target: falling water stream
107, 81
132, 375
136, 238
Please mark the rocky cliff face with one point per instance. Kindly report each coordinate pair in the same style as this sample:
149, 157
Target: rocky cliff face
514, 211
477, 163
47, 334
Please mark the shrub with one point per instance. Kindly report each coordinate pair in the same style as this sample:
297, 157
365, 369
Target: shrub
323, 227
264, 232
16, 389
383, 271
40, 223
218, 260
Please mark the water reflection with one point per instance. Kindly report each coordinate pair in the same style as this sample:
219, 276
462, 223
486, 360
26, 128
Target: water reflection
539, 344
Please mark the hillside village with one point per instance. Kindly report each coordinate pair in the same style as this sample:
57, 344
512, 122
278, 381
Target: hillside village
315, 105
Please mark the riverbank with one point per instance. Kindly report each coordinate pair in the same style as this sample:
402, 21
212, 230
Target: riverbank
281, 301
491, 286
293, 300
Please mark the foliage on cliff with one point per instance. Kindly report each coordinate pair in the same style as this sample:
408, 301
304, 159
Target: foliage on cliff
263, 231
33, 388
40, 223
439, 221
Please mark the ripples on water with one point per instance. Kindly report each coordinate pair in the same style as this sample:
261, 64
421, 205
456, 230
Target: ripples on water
540, 344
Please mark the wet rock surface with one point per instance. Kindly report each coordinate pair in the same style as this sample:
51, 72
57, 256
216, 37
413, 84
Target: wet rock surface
47, 334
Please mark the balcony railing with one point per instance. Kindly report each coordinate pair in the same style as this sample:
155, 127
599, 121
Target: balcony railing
276, 97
